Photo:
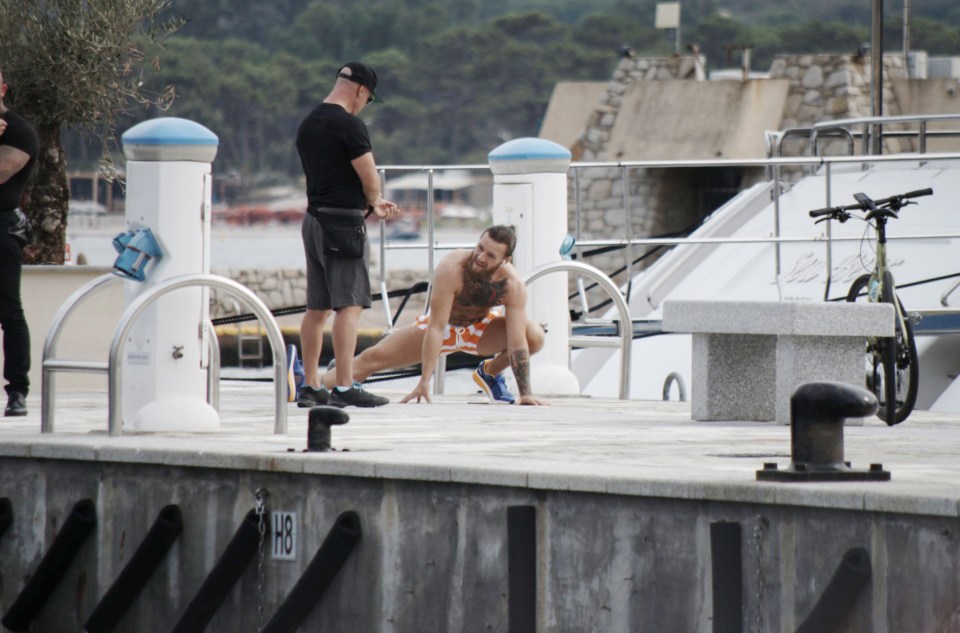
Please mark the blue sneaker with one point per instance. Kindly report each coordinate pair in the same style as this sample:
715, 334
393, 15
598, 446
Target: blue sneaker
295, 375
494, 386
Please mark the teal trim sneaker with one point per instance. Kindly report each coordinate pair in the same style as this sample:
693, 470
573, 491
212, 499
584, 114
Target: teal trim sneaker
310, 397
494, 386
356, 396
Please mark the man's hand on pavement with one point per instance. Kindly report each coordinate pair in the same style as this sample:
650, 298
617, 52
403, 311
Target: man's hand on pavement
421, 391
533, 402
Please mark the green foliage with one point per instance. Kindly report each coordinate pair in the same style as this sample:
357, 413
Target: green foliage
935, 37
462, 76
850, 12
80, 63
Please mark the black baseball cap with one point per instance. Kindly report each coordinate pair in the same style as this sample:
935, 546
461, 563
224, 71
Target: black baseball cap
361, 74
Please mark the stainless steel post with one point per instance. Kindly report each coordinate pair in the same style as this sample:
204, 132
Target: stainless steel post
906, 37
876, 74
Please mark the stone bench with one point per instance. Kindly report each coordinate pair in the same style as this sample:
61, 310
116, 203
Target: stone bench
749, 356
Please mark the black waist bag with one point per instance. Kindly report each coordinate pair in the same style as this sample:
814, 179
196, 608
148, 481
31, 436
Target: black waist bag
343, 235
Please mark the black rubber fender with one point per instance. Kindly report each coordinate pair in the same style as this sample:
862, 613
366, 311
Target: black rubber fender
225, 573
133, 578
76, 528
326, 564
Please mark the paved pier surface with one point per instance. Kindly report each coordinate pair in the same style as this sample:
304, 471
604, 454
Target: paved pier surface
646, 448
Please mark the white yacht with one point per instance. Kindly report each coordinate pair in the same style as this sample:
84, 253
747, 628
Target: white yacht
762, 245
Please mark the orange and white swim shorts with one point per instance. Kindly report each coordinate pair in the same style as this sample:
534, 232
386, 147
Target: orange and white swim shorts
463, 338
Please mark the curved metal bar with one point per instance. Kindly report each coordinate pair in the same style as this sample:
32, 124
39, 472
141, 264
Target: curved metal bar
383, 258
210, 281
674, 377
47, 383
602, 280
815, 135
53, 334
945, 297
213, 370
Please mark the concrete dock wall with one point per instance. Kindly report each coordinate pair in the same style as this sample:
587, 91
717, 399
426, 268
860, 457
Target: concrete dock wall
433, 556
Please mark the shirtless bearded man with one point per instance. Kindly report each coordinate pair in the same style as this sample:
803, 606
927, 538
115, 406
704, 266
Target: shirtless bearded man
477, 305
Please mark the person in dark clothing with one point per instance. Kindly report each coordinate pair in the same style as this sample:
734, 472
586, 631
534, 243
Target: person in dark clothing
18, 149
343, 186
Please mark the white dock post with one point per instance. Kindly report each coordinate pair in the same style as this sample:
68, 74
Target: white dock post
530, 192
166, 355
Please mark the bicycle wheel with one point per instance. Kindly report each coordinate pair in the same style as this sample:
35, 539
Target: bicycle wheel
903, 374
874, 358
892, 369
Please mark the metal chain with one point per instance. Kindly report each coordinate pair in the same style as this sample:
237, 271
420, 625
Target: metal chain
260, 505
758, 538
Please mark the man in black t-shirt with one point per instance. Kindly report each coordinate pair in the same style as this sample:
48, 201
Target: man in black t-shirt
18, 149
342, 187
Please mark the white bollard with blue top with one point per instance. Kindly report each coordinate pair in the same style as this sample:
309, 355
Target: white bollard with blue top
168, 205
530, 192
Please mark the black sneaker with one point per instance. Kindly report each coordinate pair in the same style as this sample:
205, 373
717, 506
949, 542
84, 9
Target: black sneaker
312, 397
16, 405
355, 396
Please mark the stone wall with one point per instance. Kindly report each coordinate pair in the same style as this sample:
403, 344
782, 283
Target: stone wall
831, 87
288, 288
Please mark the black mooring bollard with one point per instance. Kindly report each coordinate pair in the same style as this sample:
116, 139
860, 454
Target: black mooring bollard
326, 564
319, 421
135, 574
841, 594
6, 514
224, 575
817, 412
79, 524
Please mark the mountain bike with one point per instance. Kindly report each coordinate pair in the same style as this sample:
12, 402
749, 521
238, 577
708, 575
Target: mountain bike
892, 368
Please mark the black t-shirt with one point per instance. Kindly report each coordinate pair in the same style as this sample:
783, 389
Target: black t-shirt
328, 139
20, 135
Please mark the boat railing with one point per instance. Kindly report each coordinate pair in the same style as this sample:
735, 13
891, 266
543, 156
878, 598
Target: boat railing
629, 242
864, 129
871, 127
825, 163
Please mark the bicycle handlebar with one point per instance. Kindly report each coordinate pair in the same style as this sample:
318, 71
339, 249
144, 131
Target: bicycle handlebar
864, 203
816, 213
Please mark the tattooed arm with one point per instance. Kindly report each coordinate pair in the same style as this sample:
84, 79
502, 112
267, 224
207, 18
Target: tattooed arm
520, 362
519, 352
441, 302
12, 160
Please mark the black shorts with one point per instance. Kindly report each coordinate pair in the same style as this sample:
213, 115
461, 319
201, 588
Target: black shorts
334, 282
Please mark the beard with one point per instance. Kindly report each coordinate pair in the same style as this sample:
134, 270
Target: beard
471, 275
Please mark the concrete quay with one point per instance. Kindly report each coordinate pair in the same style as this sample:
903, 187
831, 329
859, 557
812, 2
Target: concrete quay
625, 494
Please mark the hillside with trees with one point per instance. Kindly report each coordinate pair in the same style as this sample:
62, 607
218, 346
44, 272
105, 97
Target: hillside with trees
459, 77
